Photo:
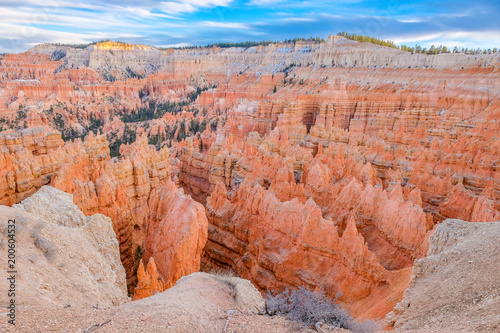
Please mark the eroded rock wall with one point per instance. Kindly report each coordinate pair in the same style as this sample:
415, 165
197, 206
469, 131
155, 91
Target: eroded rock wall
135, 192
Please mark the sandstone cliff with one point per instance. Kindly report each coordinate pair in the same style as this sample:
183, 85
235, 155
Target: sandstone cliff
28, 159
150, 215
135, 192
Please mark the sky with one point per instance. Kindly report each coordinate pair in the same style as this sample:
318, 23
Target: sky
176, 23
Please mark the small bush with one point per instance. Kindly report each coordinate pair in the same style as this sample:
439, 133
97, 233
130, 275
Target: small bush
225, 272
311, 308
138, 254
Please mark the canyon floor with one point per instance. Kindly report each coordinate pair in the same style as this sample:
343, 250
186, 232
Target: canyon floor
364, 172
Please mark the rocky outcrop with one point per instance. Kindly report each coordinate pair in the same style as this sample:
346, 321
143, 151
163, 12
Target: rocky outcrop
200, 297
150, 215
119, 189
456, 286
63, 257
149, 281
135, 192
31, 157
199, 302
28, 159
176, 233
464, 204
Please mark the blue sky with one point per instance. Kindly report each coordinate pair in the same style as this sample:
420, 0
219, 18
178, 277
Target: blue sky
26, 23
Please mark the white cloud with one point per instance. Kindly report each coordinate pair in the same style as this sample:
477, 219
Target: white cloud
207, 3
177, 7
264, 2
69, 19
225, 25
414, 38
414, 20
117, 17
190, 6
471, 39
45, 36
144, 13
23, 37
297, 19
175, 45
331, 16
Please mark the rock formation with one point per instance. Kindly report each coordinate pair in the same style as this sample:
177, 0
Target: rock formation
456, 286
176, 234
149, 281
277, 240
135, 192
150, 215
199, 302
319, 164
62, 256
28, 159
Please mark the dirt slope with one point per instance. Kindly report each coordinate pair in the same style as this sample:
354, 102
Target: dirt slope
457, 286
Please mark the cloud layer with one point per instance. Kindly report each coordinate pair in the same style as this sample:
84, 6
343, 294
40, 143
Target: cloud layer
200, 22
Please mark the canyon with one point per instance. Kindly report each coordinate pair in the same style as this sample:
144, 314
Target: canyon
326, 165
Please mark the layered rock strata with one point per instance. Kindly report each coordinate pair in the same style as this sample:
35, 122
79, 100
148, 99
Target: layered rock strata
135, 192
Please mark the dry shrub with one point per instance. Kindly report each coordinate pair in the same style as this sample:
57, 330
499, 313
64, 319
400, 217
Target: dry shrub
311, 308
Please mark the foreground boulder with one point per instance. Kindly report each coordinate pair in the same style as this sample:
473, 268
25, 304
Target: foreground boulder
62, 257
196, 303
457, 286
199, 302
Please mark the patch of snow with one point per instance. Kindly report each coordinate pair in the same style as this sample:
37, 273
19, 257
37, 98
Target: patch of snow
285, 50
304, 50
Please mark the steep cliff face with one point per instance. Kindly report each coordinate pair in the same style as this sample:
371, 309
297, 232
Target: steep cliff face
176, 234
28, 160
134, 191
336, 50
